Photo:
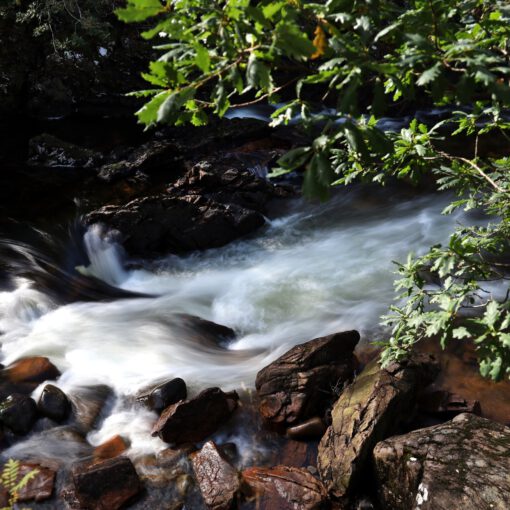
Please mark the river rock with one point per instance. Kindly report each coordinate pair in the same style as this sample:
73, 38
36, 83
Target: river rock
164, 395
162, 223
299, 384
285, 488
193, 420
49, 151
228, 180
54, 403
18, 413
447, 405
35, 369
39, 487
105, 485
204, 332
217, 478
111, 448
314, 427
462, 464
369, 410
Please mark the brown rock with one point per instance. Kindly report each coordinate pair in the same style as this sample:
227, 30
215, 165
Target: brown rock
193, 420
38, 488
299, 384
114, 447
36, 369
462, 464
314, 427
54, 403
106, 485
368, 410
285, 488
217, 478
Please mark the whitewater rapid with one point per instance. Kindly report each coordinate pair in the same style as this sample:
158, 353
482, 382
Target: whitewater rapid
313, 270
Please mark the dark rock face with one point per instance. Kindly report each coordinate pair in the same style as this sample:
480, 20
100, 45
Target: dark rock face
227, 181
161, 223
48, 151
106, 485
193, 420
369, 410
204, 332
286, 488
18, 413
444, 404
463, 464
297, 385
38, 488
165, 394
217, 478
36, 369
54, 403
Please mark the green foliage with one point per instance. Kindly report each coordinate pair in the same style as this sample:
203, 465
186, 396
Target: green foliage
66, 26
12, 482
366, 59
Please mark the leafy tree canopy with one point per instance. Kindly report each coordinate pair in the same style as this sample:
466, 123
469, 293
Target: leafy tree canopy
338, 67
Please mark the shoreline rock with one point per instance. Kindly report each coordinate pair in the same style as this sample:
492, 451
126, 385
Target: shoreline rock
462, 464
369, 410
298, 385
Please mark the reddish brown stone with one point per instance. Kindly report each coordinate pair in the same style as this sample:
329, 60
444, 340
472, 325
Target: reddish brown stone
36, 369
314, 427
38, 488
285, 488
192, 420
114, 447
299, 385
105, 485
217, 478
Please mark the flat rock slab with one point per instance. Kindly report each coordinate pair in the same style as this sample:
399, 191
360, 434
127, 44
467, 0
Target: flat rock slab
369, 410
462, 464
39, 487
217, 478
298, 385
285, 488
190, 421
105, 485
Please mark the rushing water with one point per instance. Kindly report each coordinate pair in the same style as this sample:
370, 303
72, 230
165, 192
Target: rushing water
313, 270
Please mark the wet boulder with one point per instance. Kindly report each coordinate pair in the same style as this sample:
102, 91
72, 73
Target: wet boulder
298, 385
35, 369
18, 413
49, 151
193, 420
202, 331
105, 485
164, 395
462, 464
88, 405
111, 448
54, 403
38, 488
227, 179
370, 409
163, 223
285, 488
217, 478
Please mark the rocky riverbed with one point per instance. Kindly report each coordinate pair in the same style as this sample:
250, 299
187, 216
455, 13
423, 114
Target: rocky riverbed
146, 369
